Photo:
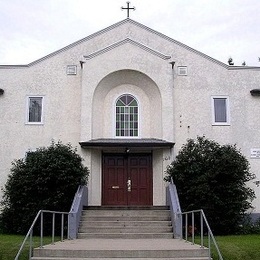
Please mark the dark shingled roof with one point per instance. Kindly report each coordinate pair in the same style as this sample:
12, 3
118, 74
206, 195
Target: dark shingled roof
133, 142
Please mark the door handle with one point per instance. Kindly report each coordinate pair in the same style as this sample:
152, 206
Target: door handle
129, 184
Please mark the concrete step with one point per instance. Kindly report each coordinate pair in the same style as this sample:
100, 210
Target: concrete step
141, 223
62, 258
108, 229
126, 223
125, 213
125, 218
126, 235
69, 254
121, 249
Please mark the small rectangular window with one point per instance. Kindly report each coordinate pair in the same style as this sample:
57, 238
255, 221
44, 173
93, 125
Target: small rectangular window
182, 71
34, 110
72, 70
220, 110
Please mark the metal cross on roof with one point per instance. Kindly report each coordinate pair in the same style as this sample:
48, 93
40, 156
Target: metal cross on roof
128, 8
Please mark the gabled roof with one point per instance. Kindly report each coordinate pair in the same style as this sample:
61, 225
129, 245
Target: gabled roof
128, 20
128, 40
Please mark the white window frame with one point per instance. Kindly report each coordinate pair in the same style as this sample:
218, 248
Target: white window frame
27, 109
114, 117
227, 110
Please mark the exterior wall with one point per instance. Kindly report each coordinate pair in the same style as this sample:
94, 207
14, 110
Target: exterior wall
61, 93
193, 115
172, 107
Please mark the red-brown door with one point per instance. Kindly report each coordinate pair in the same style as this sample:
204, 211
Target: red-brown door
127, 180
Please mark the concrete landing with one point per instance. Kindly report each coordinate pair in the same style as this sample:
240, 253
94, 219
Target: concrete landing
123, 244
122, 249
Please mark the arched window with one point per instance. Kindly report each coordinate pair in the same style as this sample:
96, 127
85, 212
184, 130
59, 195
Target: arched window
126, 116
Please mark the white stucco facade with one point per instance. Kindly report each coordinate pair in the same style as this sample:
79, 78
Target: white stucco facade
128, 58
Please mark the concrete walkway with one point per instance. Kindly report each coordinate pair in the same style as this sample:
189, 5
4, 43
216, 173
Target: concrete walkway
123, 244
127, 249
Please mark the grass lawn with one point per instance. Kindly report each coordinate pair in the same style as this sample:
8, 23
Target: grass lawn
10, 244
246, 247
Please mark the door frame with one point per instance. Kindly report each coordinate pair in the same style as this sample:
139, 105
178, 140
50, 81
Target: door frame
126, 156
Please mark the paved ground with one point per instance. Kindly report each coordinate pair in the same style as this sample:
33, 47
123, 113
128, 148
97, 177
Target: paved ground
123, 244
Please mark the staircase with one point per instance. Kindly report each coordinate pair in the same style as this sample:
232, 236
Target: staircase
125, 223
123, 233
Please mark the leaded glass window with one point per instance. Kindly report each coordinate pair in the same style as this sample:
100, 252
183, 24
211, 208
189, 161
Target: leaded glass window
126, 116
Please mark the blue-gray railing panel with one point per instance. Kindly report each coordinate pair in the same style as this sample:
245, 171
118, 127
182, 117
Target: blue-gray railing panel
80, 200
176, 217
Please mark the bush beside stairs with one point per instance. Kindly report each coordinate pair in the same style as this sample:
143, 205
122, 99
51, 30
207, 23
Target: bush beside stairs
123, 233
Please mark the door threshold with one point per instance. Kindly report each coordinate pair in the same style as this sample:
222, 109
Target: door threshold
116, 207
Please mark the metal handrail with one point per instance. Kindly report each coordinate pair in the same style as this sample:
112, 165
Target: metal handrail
190, 229
177, 217
80, 200
30, 232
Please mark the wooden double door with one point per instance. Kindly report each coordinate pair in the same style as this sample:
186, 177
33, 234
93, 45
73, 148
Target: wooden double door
127, 180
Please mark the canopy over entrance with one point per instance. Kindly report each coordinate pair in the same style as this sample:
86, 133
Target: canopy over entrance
148, 143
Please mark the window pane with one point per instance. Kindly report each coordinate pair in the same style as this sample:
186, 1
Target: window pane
119, 103
129, 100
124, 99
35, 109
220, 108
133, 103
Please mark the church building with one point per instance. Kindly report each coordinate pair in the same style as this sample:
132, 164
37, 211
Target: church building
128, 97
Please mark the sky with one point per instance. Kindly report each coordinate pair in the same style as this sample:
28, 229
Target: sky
32, 29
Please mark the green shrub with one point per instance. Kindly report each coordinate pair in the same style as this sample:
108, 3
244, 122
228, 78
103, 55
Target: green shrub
45, 179
213, 177
248, 226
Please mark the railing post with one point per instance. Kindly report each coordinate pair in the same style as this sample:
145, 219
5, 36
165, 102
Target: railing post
31, 246
181, 227
209, 246
68, 233
62, 226
201, 230
41, 244
53, 227
192, 227
186, 226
